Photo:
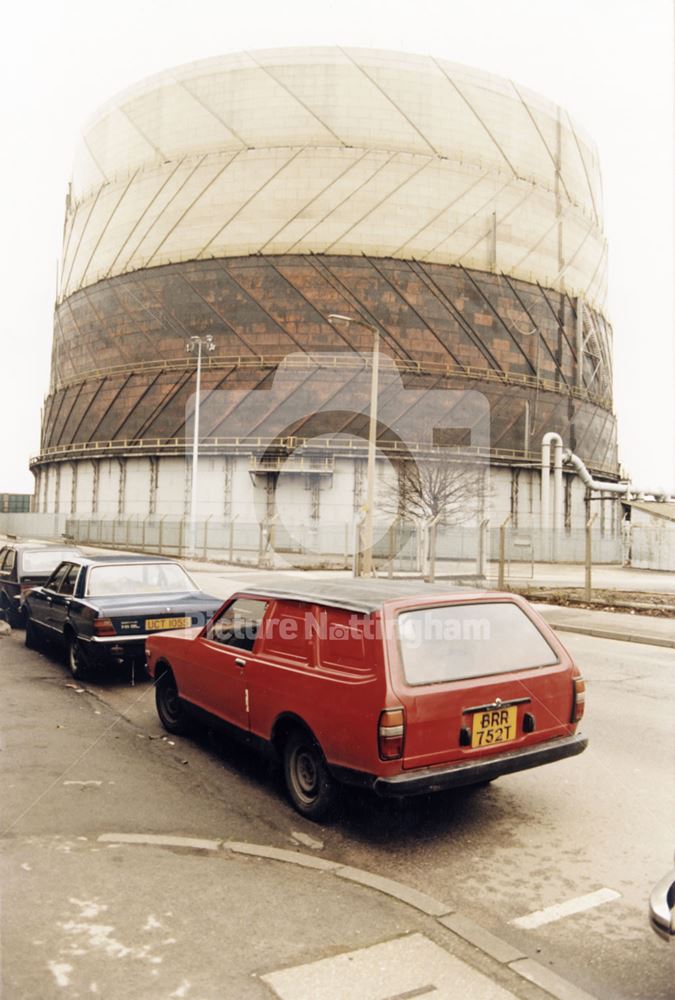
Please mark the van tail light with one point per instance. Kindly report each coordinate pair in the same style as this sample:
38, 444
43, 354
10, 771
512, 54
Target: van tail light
578, 698
104, 626
391, 733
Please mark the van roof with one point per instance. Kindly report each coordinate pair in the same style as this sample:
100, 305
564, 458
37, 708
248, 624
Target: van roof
359, 595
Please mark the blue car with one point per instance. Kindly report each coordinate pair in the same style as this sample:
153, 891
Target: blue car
101, 609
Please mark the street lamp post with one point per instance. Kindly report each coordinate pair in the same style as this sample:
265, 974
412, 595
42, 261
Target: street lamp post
195, 345
372, 440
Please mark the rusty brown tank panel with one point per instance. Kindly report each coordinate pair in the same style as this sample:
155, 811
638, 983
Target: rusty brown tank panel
120, 371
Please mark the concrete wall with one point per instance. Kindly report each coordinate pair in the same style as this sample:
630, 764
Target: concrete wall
227, 489
43, 526
652, 541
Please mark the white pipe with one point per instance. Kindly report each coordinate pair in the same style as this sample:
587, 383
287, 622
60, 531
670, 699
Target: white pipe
569, 458
545, 481
557, 484
551, 437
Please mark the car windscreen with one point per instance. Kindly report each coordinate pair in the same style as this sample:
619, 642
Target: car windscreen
469, 640
138, 578
44, 561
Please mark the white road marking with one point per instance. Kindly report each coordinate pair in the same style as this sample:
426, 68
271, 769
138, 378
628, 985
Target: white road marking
82, 782
159, 840
566, 909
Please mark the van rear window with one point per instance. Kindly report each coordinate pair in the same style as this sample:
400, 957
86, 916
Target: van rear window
469, 640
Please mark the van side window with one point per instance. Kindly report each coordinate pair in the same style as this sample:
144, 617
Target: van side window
342, 642
289, 631
238, 624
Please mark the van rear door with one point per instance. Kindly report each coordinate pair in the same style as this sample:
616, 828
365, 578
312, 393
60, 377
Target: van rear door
477, 678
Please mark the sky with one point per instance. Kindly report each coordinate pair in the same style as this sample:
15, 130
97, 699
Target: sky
608, 62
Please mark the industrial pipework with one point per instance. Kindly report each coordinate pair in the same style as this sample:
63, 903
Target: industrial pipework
621, 489
568, 457
546, 441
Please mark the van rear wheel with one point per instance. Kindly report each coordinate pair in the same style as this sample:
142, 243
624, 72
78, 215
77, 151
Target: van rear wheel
310, 787
170, 706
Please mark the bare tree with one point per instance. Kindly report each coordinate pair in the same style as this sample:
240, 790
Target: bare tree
452, 490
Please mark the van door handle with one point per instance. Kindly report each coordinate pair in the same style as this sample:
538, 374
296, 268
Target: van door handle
240, 662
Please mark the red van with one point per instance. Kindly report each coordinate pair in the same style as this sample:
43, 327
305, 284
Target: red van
396, 686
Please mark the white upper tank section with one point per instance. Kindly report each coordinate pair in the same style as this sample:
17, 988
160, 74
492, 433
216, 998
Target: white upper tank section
336, 151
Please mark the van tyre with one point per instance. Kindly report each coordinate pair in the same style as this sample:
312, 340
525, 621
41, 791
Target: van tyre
171, 708
310, 787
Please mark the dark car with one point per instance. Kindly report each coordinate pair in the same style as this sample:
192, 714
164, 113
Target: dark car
389, 685
102, 609
24, 565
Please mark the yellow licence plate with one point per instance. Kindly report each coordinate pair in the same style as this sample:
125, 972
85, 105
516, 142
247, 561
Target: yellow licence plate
495, 725
155, 624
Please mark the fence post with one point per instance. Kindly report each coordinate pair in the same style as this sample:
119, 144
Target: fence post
180, 538
481, 557
261, 528
266, 539
160, 540
356, 564
206, 534
430, 547
234, 518
589, 557
502, 552
393, 531
420, 543
271, 540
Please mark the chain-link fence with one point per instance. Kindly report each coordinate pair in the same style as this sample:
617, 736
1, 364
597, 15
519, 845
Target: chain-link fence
400, 547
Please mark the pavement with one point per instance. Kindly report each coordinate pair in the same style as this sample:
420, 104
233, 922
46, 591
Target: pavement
610, 624
604, 577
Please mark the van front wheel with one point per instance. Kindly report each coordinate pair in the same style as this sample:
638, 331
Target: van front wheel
310, 787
